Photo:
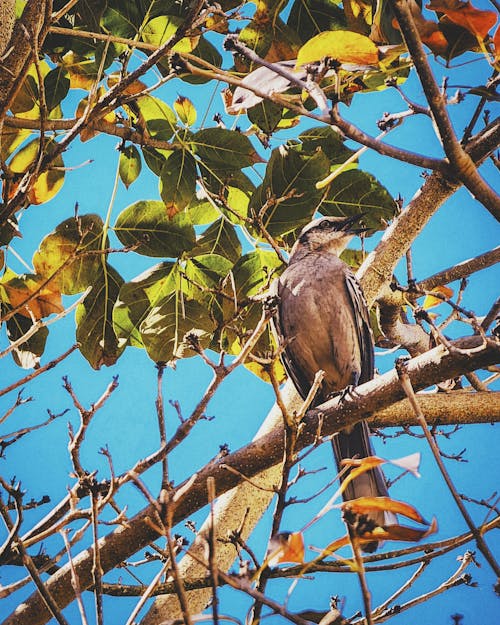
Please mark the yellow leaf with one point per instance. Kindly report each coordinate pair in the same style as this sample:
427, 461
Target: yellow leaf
185, 110
340, 45
46, 301
430, 301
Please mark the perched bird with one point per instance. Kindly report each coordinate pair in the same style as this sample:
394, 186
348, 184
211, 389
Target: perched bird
323, 323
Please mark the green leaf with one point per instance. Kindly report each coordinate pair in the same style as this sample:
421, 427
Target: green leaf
310, 17
222, 149
146, 224
155, 159
205, 272
219, 238
291, 175
129, 166
121, 19
159, 118
159, 30
136, 298
185, 110
166, 325
178, 181
330, 141
266, 116
65, 254
207, 52
356, 191
254, 271
56, 85
27, 354
94, 325
201, 212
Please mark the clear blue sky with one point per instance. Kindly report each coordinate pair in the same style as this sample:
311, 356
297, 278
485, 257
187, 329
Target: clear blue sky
127, 424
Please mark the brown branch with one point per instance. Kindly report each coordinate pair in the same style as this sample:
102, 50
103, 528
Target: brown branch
430, 368
378, 267
463, 166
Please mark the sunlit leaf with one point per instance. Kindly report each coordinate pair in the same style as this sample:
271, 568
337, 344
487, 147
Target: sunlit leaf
355, 191
223, 149
219, 238
430, 301
65, 255
136, 298
343, 46
464, 14
17, 289
146, 225
185, 110
159, 118
94, 325
160, 29
129, 164
289, 189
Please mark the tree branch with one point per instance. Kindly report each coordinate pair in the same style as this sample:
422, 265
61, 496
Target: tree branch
430, 368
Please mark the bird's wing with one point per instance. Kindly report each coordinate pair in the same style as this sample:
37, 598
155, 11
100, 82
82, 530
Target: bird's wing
300, 382
363, 328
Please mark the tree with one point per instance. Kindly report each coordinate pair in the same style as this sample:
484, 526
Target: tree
308, 79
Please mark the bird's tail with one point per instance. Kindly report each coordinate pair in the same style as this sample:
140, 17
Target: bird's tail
356, 444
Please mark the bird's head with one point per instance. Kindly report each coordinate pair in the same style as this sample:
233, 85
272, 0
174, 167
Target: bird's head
329, 234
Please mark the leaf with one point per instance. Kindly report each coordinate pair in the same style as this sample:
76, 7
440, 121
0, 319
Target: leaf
94, 324
310, 17
219, 238
355, 191
145, 224
329, 140
204, 274
463, 14
27, 354
365, 505
160, 29
430, 301
65, 254
409, 463
129, 166
136, 298
159, 118
185, 110
202, 212
266, 116
343, 46
56, 85
253, 271
286, 547
223, 149
178, 181
163, 330
155, 159
289, 188
17, 289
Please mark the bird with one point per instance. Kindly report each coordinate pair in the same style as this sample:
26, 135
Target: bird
322, 323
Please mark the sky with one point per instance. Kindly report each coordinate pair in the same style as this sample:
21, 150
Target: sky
127, 423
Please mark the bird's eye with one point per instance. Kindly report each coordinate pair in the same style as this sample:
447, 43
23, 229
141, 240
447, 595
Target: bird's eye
324, 225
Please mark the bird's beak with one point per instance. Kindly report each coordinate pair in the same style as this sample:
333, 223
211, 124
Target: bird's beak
346, 226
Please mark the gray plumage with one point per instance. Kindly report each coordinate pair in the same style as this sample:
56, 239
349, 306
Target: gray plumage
323, 322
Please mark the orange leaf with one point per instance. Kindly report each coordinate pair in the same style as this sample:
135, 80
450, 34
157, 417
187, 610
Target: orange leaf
496, 43
286, 547
45, 303
430, 301
411, 534
365, 505
463, 14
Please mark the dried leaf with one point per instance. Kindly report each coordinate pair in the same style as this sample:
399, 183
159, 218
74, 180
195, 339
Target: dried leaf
430, 301
365, 505
286, 547
463, 14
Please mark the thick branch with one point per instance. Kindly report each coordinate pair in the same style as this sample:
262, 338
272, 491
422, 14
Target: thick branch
461, 162
379, 266
430, 368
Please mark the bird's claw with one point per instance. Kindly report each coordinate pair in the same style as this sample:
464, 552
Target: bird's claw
348, 391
